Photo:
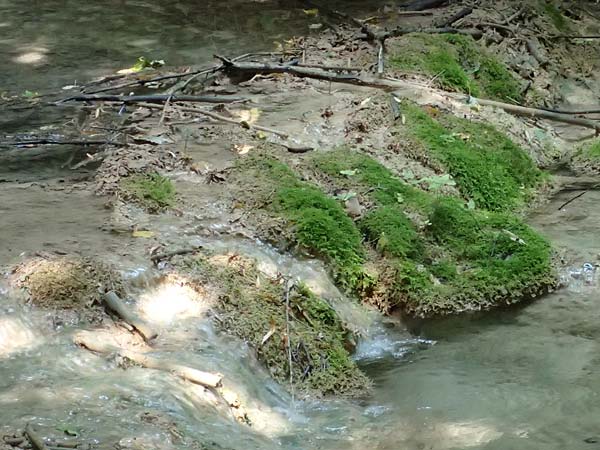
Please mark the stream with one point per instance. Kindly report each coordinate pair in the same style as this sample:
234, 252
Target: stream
522, 378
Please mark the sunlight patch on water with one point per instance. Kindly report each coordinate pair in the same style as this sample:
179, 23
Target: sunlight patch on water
465, 434
172, 299
15, 336
31, 56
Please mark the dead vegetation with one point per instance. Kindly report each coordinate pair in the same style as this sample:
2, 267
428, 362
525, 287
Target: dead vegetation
65, 282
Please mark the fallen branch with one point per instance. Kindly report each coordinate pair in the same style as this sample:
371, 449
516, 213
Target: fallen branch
534, 50
36, 441
242, 123
168, 255
420, 5
573, 199
158, 98
113, 301
207, 379
543, 114
384, 83
13, 441
461, 14
45, 141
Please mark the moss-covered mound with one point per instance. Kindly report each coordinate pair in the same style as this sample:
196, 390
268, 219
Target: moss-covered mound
152, 191
457, 62
447, 257
412, 247
65, 282
489, 168
252, 306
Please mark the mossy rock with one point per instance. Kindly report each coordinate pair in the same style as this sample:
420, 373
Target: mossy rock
457, 62
152, 191
66, 283
489, 168
252, 307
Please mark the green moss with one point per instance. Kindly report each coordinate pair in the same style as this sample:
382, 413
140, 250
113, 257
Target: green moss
434, 56
392, 233
252, 305
153, 191
429, 255
458, 63
557, 17
487, 166
444, 270
368, 175
465, 258
499, 254
591, 151
317, 222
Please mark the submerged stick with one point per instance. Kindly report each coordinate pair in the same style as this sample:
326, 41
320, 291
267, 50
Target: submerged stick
36, 441
207, 379
113, 301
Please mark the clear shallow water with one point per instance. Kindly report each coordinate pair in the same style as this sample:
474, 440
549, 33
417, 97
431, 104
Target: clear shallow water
525, 378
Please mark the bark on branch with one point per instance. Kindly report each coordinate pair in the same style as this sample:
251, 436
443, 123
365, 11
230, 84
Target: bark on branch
389, 84
116, 305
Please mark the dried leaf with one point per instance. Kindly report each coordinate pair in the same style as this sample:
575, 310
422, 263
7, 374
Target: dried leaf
348, 173
142, 234
311, 12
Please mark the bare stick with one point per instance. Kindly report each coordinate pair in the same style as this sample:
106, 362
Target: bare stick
208, 379
380, 60
36, 441
534, 112
158, 98
45, 141
573, 199
113, 301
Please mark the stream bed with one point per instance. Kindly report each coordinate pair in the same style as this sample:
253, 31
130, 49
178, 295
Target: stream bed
523, 378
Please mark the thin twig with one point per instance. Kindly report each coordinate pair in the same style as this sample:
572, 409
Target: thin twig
288, 288
164, 111
577, 196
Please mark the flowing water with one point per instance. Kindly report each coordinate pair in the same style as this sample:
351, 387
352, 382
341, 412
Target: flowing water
525, 378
